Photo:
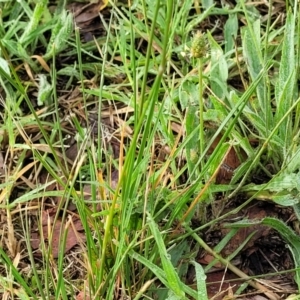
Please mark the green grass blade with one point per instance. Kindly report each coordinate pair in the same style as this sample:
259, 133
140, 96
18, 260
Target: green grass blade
16, 274
160, 272
201, 282
173, 281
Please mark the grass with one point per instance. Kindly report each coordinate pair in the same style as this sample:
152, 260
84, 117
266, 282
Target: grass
116, 150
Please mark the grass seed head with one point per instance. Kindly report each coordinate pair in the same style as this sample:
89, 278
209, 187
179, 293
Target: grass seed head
199, 45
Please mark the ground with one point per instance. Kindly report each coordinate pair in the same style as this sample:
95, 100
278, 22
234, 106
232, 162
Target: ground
134, 157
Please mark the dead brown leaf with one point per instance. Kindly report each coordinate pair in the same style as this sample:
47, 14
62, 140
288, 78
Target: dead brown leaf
253, 212
231, 162
82, 296
84, 13
74, 234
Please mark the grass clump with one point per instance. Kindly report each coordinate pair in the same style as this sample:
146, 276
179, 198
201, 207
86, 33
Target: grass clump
127, 143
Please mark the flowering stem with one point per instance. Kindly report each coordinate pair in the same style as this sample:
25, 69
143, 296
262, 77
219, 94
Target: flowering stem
201, 109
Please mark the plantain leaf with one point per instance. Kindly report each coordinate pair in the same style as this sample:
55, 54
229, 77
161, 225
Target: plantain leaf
285, 87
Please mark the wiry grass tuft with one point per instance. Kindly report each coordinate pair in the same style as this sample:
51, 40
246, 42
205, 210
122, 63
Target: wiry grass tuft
121, 152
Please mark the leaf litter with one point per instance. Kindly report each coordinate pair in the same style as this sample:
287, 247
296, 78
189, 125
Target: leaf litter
264, 253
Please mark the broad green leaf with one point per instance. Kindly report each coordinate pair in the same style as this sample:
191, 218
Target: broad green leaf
285, 87
60, 34
69, 71
45, 90
252, 48
293, 163
188, 94
213, 115
39, 10
4, 66
207, 3
230, 32
284, 182
283, 189
284, 199
219, 69
254, 60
